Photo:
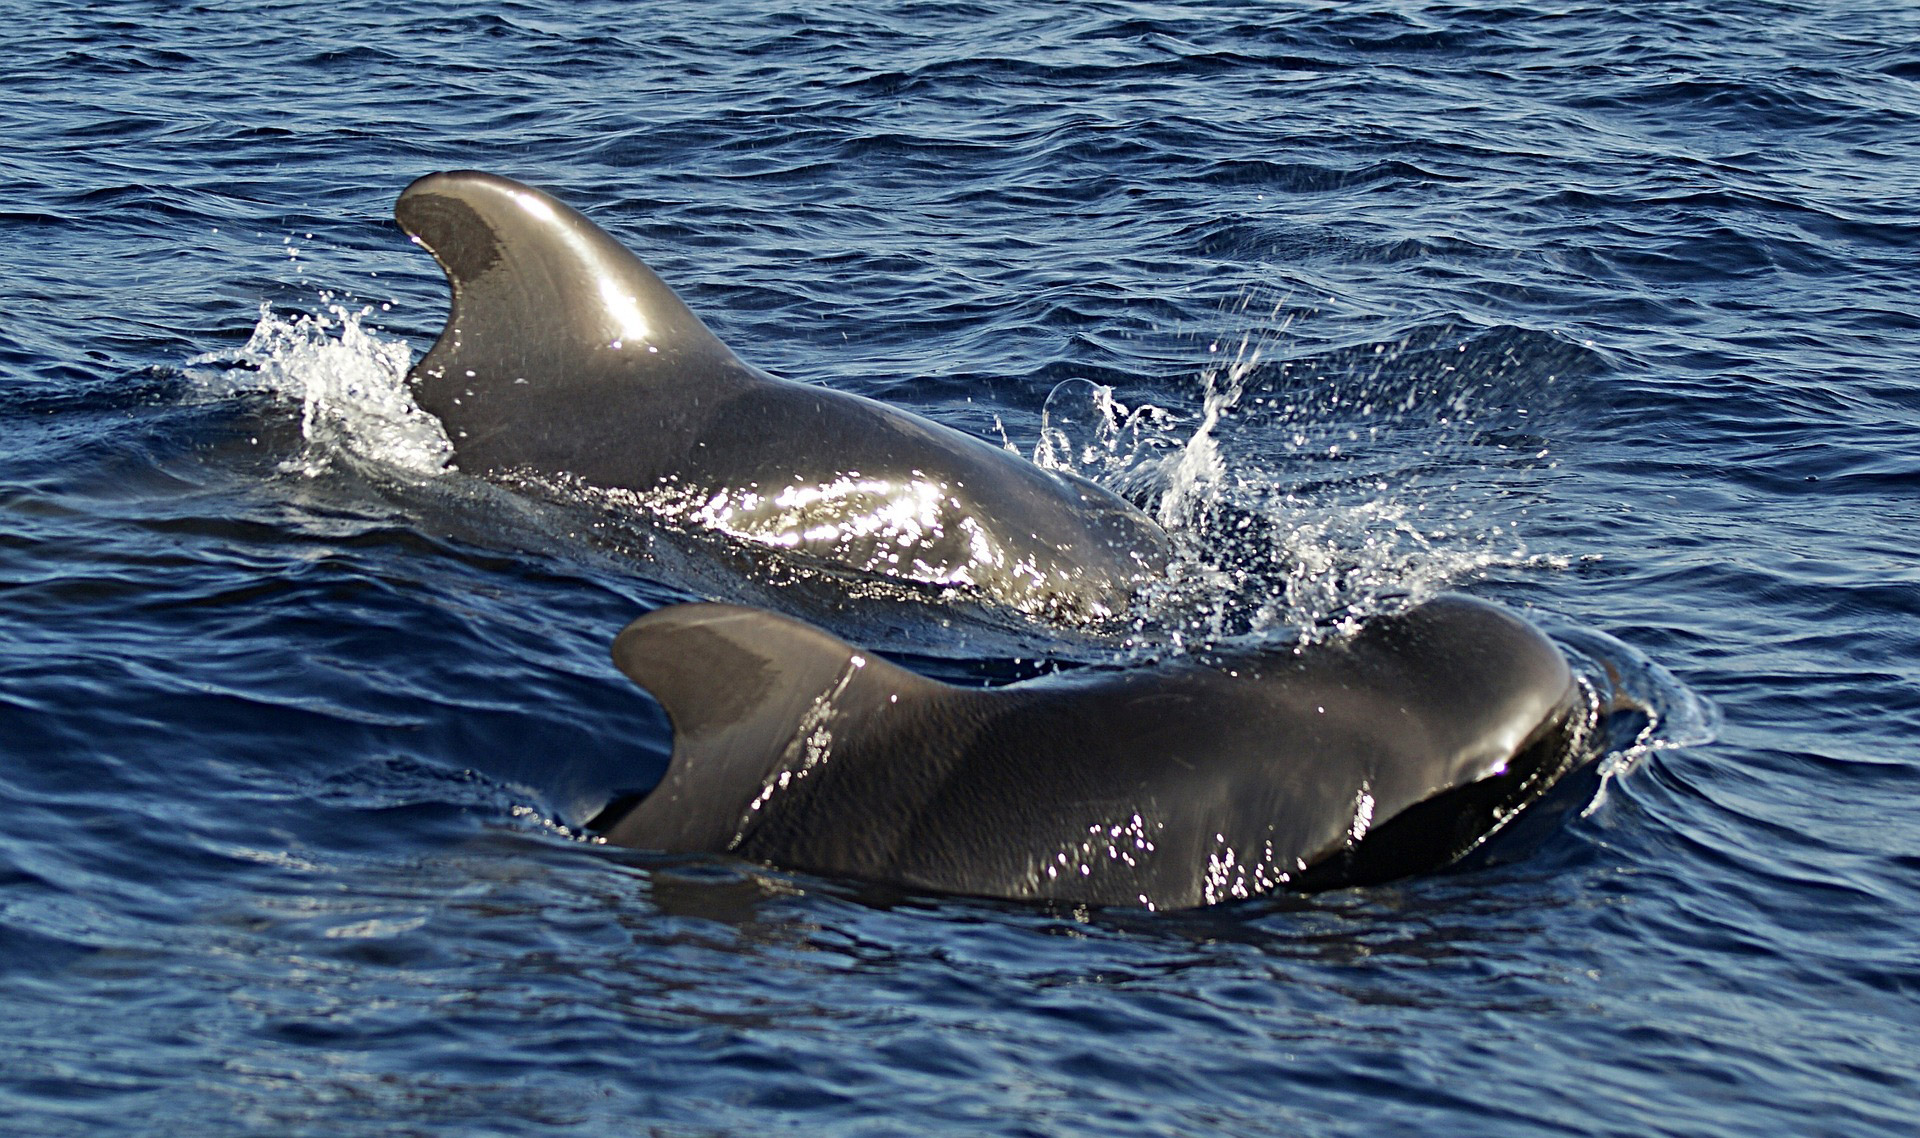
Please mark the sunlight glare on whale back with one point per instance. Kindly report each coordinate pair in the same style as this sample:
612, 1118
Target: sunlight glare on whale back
623, 308
629, 325
540, 210
913, 529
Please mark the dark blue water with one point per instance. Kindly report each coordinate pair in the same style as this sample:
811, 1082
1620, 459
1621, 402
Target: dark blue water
1605, 311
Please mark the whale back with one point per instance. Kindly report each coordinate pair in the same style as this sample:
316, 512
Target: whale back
557, 339
1392, 751
567, 367
759, 703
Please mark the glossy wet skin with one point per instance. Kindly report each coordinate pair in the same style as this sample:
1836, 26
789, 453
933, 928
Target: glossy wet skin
1389, 752
565, 357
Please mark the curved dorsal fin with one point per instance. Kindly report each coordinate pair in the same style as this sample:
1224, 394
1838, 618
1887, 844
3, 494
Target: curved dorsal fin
740, 686
546, 308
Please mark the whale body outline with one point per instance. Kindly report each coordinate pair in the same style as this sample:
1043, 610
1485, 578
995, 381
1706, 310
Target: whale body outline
1397, 749
566, 364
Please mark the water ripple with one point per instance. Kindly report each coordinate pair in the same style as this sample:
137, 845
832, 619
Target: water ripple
1609, 315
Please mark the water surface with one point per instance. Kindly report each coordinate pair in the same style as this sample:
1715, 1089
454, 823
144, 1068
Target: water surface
1605, 313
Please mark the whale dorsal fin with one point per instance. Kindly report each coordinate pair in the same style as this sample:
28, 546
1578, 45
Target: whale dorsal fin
742, 686
549, 317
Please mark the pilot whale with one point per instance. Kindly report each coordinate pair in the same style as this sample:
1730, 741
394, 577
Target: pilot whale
566, 362
1391, 751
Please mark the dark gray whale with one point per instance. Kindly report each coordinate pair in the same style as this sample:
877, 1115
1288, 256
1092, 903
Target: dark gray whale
565, 358
1394, 750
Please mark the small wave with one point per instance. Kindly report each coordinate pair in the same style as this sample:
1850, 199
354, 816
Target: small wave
1641, 705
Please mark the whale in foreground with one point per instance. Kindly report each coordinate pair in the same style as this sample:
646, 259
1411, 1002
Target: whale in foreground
566, 362
1391, 751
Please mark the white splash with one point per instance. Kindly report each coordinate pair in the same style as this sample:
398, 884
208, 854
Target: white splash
1307, 511
350, 383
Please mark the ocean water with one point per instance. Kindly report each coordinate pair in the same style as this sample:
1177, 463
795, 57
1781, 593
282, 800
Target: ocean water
1607, 312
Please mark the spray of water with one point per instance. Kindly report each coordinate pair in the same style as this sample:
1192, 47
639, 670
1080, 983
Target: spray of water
1307, 495
348, 380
